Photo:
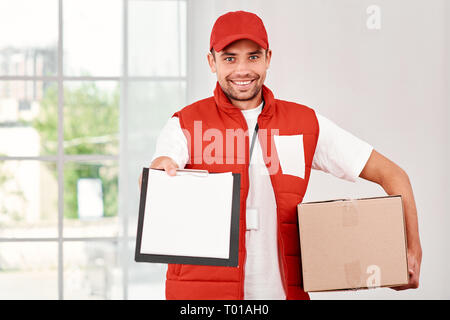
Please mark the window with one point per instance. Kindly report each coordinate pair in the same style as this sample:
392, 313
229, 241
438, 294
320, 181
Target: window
85, 87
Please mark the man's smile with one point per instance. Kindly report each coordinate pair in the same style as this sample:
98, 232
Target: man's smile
242, 84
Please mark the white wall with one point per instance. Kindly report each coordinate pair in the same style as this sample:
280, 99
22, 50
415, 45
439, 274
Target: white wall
389, 87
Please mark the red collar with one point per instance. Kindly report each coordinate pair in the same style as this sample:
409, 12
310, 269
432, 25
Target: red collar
225, 104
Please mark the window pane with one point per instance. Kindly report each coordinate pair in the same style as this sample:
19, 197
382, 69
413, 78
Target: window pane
146, 281
150, 105
92, 37
92, 270
91, 117
28, 118
90, 199
28, 270
28, 199
153, 52
29, 37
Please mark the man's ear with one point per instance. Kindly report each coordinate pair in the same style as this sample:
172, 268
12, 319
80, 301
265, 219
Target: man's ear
268, 58
211, 62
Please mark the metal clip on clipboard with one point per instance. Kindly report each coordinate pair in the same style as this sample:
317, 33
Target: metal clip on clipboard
194, 172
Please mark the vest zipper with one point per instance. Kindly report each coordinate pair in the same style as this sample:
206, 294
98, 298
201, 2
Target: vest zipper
247, 157
280, 244
247, 167
281, 257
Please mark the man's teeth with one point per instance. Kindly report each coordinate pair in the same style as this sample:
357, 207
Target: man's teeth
241, 83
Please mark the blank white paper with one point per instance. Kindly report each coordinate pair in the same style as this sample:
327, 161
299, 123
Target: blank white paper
188, 215
291, 154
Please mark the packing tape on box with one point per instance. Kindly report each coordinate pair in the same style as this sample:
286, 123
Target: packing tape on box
353, 274
353, 271
350, 212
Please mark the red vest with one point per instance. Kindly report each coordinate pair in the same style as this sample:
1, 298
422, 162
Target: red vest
212, 282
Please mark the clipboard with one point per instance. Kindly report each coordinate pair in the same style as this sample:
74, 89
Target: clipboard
229, 231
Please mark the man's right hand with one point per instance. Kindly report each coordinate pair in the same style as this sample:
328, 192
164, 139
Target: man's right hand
166, 163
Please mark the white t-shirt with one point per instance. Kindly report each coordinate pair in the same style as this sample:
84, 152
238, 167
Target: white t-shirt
337, 152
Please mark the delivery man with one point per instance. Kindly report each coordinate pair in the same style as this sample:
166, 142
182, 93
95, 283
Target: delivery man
273, 144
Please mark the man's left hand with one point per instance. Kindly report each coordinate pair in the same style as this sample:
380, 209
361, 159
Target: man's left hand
414, 261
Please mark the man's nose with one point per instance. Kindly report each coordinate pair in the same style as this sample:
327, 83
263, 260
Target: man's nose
242, 67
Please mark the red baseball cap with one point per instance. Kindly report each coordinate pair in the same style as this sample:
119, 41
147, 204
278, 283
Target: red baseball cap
237, 25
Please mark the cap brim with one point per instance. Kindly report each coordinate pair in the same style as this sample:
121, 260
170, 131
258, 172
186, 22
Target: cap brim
218, 46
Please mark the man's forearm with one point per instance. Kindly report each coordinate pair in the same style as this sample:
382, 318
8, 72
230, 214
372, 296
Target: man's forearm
395, 181
398, 183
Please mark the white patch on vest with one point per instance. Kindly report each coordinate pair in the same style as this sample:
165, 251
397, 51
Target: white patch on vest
291, 154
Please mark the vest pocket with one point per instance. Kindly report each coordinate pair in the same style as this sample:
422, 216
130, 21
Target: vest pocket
291, 154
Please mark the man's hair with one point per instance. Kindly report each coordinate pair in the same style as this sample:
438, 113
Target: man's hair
214, 53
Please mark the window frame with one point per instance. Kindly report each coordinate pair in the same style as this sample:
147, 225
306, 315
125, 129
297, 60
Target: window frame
123, 239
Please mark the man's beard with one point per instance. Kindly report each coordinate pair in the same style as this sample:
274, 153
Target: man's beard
238, 96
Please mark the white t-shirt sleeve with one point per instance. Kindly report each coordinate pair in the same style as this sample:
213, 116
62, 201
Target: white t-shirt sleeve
172, 143
338, 152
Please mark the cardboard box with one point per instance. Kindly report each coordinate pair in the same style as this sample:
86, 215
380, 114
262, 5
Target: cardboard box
353, 244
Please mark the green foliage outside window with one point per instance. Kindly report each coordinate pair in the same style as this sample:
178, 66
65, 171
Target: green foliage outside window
91, 126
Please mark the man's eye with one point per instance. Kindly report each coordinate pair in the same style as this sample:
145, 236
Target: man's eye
229, 59
253, 57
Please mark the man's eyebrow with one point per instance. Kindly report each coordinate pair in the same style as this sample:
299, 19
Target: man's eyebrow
256, 52
225, 53
228, 54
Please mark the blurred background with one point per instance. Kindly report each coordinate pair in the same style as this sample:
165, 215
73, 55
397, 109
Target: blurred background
86, 86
